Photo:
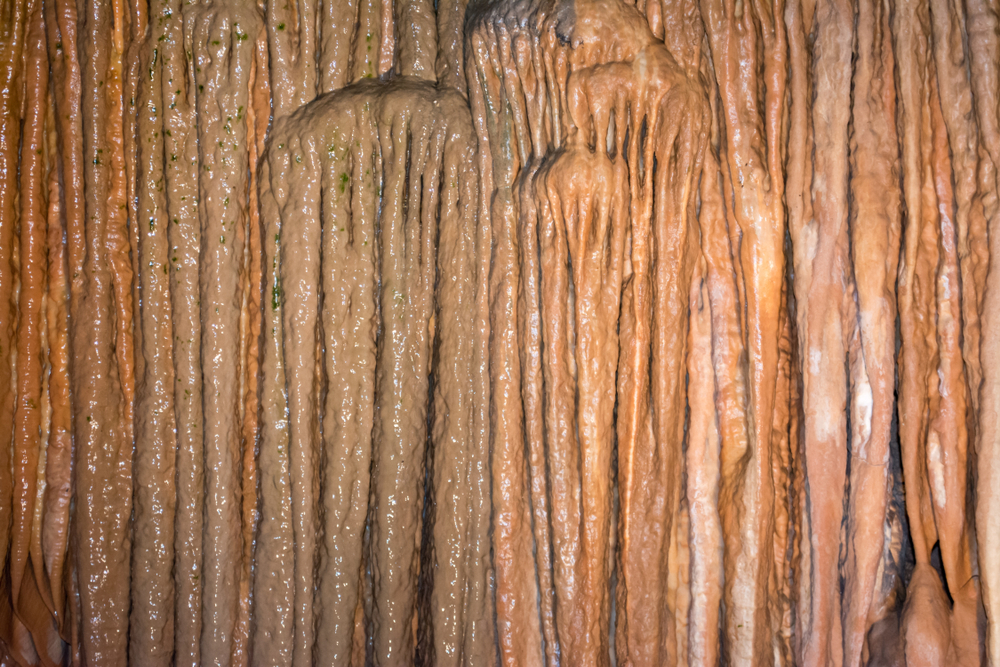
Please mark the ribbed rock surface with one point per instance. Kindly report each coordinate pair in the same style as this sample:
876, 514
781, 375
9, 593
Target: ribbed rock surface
528, 332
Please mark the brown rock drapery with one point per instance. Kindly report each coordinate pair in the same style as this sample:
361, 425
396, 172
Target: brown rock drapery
582, 333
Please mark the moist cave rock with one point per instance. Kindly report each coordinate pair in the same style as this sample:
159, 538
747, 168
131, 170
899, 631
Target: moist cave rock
500, 332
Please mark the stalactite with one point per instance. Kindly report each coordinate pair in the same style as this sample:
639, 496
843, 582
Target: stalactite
102, 435
377, 198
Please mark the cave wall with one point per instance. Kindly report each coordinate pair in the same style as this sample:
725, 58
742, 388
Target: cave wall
530, 332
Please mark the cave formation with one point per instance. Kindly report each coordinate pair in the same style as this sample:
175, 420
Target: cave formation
518, 332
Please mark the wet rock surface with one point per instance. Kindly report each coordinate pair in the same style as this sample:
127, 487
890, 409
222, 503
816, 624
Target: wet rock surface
520, 332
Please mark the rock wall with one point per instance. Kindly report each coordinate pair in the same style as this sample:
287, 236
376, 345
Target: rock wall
528, 332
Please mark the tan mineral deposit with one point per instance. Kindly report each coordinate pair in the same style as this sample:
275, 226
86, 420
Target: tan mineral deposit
520, 333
